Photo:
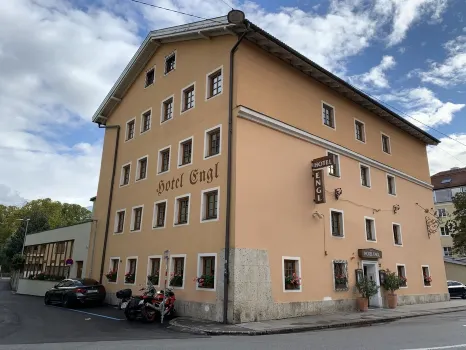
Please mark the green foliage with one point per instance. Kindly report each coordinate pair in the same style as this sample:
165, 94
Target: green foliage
17, 262
367, 287
459, 229
392, 281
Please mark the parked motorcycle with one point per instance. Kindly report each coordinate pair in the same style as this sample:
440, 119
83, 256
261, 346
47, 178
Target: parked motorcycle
135, 304
153, 309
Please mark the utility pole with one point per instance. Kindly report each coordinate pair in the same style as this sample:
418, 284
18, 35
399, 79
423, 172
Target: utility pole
25, 233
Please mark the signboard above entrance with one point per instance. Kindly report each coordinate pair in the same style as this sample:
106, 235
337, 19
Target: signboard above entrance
370, 253
322, 162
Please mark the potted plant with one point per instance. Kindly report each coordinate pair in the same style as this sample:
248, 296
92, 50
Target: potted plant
292, 282
367, 288
427, 280
205, 281
111, 276
154, 279
176, 280
392, 283
129, 277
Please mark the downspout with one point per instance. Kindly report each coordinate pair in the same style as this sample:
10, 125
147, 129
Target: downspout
228, 205
110, 197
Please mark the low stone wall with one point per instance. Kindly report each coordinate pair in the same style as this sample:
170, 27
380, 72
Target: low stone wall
422, 298
34, 287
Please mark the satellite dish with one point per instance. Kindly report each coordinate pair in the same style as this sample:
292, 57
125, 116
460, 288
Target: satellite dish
236, 17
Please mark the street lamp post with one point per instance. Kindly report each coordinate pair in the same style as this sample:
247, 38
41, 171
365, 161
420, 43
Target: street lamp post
25, 233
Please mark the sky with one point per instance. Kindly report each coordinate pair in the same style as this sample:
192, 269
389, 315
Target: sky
58, 60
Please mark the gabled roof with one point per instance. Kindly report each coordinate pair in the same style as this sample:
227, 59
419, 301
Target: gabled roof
455, 177
221, 26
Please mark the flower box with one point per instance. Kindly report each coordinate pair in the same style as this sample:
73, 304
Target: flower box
292, 282
129, 278
205, 281
176, 280
112, 276
154, 279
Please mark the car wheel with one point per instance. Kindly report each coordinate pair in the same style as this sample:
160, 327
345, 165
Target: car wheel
66, 302
463, 296
47, 299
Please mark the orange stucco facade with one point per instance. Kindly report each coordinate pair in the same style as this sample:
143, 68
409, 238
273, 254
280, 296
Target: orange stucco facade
277, 130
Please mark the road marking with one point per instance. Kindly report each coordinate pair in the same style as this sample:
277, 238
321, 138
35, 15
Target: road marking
442, 347
91, 313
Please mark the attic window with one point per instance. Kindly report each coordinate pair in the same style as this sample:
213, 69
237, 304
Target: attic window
170, 63
446, 181
150, 77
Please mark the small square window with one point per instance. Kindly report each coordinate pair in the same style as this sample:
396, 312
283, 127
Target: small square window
360, 131
210, 203
213, 142
328, 115
150, 77
442, 212
334, 170
401, 269
444, 231
215, 84
167, 109
447, 251
119, 221
130, 126
365, 176
125, 174
426, 276
206, 272
340, 275
160, 214
170, 63
397, 234
182, 211
386, 144
337, 223
131, 267
137, 219
164, 159
142, 169
188, 98
391, 186
370, 229
291, 274
177, 272
153, 275
146, 121
186, 148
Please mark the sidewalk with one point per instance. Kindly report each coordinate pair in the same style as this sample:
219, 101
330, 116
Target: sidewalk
317, 322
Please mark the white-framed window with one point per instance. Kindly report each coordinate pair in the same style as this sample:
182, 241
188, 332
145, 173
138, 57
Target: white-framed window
213, 142
442, 212
146, 120
369, 225
113, 267
185, 152
334, 170
214, 83
130, 129
166, 109
401, 270
182, 210
328, 115
360, 130
391, 185
177, 270
206, 278
150, 77
386, 145
188, 97
365, 173
427, 278
154, 269
163, 163
160, 214
131, 270
444, 231
136, 218
337, 226
119, 226
340, 275
125, 175
170, 62
397, 237
291, 274
447, 251
141, 168
210, 204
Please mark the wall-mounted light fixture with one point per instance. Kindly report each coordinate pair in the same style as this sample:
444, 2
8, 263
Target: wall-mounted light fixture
396, 208
338, 193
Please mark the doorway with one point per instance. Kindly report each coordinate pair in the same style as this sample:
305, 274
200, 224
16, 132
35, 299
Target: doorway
79, 269
371, 271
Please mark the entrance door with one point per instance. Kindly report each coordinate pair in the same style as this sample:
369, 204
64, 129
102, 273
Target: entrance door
79, 269
370, 271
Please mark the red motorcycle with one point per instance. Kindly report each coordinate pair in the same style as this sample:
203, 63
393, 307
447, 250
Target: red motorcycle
153, 308
134, 305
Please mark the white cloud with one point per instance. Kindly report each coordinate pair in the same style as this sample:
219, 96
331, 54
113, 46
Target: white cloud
376, 77
10, 197
423, 106
453, 70
448, 154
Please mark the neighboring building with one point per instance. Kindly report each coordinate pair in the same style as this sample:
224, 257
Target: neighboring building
46, 256
455, 269
446, 185
171, 188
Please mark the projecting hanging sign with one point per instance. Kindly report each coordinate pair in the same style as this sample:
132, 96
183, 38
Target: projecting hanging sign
323, 162
319, 187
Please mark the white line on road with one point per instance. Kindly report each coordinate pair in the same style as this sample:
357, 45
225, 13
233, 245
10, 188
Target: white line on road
91, 313
442, 347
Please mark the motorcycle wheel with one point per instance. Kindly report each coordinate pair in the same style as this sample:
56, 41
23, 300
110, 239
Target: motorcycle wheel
148, 315
129, 315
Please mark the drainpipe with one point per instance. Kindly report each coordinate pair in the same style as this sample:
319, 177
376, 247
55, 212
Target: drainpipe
228, 205
110, 197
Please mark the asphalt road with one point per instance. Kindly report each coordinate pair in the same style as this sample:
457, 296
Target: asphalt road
26, 323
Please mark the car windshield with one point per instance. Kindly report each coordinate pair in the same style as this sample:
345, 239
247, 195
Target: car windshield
86, 282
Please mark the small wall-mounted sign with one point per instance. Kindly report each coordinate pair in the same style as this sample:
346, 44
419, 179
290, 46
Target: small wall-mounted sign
323, 162
319, 187
370, 253
359, 275
69, 262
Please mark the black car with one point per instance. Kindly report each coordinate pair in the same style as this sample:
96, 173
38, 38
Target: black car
71, 292
456, 289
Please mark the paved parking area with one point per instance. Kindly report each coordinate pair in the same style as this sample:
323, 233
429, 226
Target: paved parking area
26, 320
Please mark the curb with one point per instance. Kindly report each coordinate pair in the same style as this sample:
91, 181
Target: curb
202, 331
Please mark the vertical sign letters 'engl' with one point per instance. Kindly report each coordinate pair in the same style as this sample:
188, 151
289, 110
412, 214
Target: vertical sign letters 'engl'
319, 188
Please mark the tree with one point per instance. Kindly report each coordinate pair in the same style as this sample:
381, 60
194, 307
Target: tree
457, 227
